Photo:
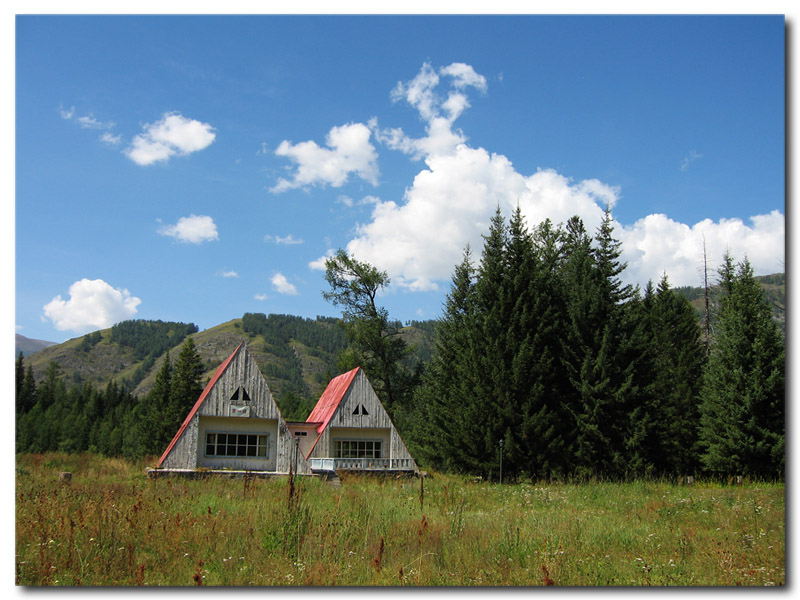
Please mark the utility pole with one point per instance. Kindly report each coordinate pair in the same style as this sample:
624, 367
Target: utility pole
501, 460
705, 287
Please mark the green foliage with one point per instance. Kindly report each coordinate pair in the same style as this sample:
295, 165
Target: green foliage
373, 342
544, 349
150, 338
743, 407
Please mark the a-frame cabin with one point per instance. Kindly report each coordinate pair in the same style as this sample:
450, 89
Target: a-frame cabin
349, 429
235, 425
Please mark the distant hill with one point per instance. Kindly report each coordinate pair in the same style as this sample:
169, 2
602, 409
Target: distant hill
28, 345
774, 286
296, 355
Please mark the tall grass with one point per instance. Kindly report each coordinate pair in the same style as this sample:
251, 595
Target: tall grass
112, 526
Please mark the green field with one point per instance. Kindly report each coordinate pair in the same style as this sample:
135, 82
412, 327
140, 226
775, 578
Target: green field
112, 526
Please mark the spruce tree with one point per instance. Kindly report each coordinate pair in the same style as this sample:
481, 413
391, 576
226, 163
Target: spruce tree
670, 371
447, 426
742, 411
493, 308
156, 425
186, 386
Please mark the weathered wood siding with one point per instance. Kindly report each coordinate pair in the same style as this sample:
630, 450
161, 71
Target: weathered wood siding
242, 374
375, 425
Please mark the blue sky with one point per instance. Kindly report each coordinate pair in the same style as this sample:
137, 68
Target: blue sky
197, 168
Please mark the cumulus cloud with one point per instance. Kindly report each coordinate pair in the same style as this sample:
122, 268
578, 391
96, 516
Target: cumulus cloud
348, 151
173, 135
657, 244
93, 304
194, 229
282, 285
229, 274
420, 239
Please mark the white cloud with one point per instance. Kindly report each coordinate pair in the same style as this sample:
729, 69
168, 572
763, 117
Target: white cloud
319, 263
419, 240
349, 151
173, 134
93, 304
288, 240
229, 274
109, 138
693, 156
194, 229
282, 285
66, 113
89, 122
657, 244
260, 297
350, 203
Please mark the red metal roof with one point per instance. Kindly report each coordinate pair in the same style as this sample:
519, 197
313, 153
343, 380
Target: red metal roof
329, 402
330, 399
211, 383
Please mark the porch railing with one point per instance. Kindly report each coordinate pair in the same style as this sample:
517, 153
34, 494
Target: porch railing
361, 464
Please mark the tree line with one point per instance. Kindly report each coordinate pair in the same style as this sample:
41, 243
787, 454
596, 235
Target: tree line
51, 416
546, 361
541, 350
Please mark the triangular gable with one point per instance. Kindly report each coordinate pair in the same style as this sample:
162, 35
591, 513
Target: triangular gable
237, 373
331, 398
209, 386
355, 386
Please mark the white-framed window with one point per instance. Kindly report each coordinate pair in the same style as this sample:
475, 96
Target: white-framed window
356, 448
239, 445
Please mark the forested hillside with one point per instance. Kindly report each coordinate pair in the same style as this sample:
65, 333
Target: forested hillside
90, 392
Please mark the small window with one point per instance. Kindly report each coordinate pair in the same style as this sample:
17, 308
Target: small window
253, 445
245, 397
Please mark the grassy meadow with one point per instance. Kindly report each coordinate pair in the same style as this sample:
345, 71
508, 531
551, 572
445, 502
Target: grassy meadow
112, 526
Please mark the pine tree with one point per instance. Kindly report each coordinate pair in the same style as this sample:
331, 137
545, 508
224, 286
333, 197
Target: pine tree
488, 338
743, 395
156, 426
447, 426
185, 386
599, 352
670, 371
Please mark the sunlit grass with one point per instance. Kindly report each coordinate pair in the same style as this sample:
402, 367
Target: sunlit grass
111, 525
